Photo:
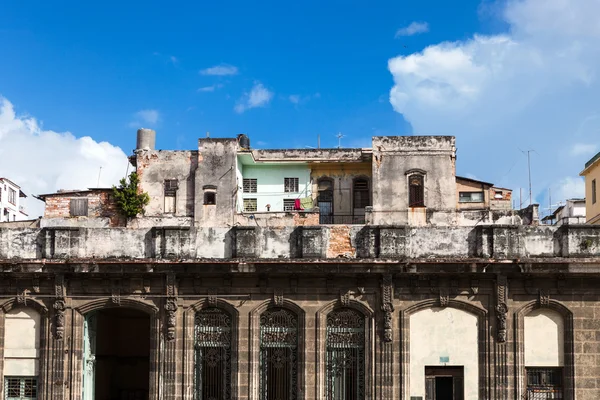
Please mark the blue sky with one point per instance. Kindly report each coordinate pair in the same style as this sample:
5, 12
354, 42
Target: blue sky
284, 73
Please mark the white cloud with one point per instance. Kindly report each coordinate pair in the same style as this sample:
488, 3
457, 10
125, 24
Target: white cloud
210, 88
568, 188
174, 59
220, 70
294, 98
297, 99
582, 149
145, 117
413, 29
54, 160
259, 96
534, 87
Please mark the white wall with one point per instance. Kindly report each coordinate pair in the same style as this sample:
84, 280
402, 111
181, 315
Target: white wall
21, 342
12, 210
544, 339
443, 332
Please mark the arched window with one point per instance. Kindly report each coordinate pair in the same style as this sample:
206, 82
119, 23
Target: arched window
212, 342
345, 355
416, 191
278, 355
21, 353
325, 200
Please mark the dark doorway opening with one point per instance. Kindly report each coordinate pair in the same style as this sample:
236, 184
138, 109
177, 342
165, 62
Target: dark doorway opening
122, 354
444, 383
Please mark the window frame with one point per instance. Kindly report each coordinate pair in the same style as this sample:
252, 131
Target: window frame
255, 200
12, 196
290, 204
73, 209
471, 193
593, 191
366, 193
416, 197
252, 185
291, 185
22, 380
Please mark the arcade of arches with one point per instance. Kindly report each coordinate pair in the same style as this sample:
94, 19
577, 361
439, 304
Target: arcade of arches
349, 345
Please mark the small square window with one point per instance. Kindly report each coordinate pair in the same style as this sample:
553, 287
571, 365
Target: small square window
470, 197
250, 205
210, 198
79, 207
249, 185
21, 388
290, 185
288, 204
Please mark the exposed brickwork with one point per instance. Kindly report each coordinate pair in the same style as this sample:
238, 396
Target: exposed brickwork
101, 204
340, 243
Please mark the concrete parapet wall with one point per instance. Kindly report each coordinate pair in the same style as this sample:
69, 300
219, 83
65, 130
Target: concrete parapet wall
504, 242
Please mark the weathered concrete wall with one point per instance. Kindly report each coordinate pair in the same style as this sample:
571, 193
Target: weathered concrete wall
156, 166
343, 176
217, 165
393, 160
320, 242
291, 218
327, 155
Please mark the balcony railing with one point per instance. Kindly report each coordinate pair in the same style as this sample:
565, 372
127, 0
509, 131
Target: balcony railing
342, 219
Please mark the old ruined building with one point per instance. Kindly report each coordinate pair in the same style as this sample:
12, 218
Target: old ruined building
329, 274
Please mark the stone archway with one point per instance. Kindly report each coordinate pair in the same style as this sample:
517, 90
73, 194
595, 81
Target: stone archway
119, 351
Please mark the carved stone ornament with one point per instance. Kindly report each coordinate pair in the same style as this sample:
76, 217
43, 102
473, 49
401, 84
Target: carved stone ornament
544, 298
278, 297
444, 298
501, 311
345, 298
387, 306
35, 283
115, 292
474, 286
212, 298
171, 311
59, 318
22, 297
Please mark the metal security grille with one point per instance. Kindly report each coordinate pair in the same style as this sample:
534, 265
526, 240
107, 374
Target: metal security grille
250, 205
416, 191
212, 333
544, 384
170, 187
250, 185
278, 355
345, 355
290, 185
20, 388
288, 204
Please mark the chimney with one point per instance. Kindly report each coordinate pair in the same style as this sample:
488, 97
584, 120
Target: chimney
146, 139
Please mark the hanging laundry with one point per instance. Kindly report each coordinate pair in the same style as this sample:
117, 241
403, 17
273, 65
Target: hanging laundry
297, 205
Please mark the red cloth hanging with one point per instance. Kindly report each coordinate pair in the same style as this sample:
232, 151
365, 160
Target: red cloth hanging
297, 205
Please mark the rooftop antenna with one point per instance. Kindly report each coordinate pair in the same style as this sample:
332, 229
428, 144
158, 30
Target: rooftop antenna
529, 171
100, 172
339, 136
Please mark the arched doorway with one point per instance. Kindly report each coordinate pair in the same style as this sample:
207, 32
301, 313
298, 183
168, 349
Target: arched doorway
116, 354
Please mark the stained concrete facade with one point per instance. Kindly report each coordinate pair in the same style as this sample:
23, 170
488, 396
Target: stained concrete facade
412, 304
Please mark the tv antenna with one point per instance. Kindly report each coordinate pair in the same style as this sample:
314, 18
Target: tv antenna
339, 136
529, 170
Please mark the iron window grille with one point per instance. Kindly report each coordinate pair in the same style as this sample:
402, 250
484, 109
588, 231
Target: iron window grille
290, 185
212, 344
544, 383
416, 191
249, 185
250, 205
171, 186
361, 193
278, 355
345, 355
20, 388
288, 204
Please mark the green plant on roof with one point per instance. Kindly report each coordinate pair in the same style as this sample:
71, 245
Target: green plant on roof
130, 201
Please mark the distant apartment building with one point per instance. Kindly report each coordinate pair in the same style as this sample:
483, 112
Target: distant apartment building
591, 173
572, 212
11, 206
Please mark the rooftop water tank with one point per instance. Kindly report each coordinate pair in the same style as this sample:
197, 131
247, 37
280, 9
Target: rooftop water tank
244, 141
